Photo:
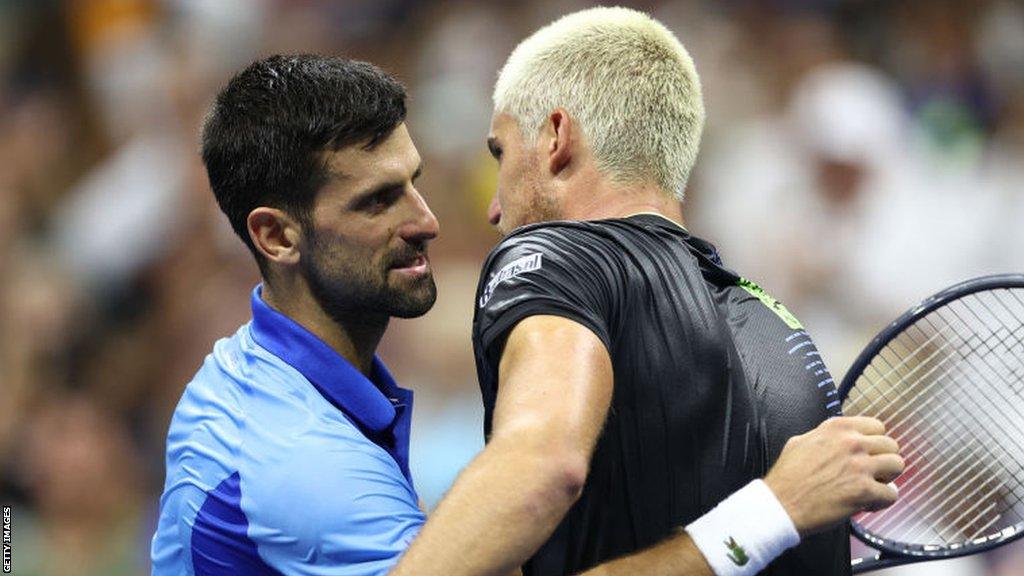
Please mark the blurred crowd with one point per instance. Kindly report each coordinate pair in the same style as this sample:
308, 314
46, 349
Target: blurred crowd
858, 156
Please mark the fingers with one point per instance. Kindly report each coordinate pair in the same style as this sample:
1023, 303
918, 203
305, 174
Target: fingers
880, 445
863, 424
867, 435
887, 467
883, 492
881, 496
886, 463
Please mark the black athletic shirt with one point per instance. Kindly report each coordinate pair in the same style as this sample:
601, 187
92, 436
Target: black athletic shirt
711, 377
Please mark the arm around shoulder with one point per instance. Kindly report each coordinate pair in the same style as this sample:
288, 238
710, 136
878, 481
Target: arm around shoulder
555, 389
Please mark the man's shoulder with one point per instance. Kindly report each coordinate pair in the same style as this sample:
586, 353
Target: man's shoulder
239, 376
244, 394
217, 387
239, 390
571, 242
252, 439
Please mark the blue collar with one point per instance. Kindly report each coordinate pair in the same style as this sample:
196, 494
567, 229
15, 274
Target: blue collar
371, 402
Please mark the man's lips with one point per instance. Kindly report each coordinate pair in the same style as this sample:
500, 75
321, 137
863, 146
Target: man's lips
416, 266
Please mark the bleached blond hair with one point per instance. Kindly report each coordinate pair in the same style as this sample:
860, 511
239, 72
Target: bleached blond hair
627, 81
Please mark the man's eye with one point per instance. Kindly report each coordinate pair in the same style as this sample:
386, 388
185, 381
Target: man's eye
495, 150
379, 201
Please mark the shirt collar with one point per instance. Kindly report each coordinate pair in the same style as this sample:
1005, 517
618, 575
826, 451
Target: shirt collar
369, 401
664, 219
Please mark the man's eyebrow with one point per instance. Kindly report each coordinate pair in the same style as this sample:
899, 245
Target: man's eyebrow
335, 174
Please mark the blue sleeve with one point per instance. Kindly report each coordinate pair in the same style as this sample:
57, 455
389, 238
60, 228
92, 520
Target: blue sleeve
171, 550
200, 441
333, 507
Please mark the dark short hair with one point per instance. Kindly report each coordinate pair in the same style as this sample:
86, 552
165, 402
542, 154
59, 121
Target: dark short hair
264, 139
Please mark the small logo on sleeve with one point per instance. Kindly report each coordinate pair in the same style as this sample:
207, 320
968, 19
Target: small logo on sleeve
527, 263
736, 552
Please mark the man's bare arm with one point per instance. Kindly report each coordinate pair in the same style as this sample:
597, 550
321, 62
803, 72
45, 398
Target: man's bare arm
821, 478
555, 387
677, 556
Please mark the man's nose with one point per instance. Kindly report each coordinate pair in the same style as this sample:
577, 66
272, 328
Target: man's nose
423, 225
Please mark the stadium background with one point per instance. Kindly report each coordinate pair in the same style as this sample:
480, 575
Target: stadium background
858, 156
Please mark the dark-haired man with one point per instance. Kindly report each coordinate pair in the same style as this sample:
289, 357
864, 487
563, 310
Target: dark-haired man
289, 449
288, 453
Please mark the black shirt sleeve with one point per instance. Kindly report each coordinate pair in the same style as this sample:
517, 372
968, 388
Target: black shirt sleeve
554, 269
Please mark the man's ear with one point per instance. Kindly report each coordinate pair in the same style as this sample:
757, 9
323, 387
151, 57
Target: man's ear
275, 235
559, 133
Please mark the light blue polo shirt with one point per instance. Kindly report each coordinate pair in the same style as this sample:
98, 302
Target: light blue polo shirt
282, 458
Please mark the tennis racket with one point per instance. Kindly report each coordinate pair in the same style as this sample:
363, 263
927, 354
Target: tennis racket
947, 379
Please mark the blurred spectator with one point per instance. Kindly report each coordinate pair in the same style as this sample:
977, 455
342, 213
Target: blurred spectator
40, 310
82, 475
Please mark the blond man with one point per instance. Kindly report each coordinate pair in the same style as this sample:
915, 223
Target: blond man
635, 388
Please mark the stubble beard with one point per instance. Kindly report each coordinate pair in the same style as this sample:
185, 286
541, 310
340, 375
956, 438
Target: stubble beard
541, 207
350, 290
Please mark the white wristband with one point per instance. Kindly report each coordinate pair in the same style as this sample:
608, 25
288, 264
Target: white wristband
745, 532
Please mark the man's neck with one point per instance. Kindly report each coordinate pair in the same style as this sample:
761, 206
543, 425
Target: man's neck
355, 338
605, 200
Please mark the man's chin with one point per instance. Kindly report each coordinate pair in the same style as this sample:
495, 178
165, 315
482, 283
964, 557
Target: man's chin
409, 314
415, 303
412, 310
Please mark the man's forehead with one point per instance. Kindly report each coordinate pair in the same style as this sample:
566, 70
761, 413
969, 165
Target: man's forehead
395, 154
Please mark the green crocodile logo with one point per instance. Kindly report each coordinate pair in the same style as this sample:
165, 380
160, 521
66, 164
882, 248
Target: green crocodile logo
736, 552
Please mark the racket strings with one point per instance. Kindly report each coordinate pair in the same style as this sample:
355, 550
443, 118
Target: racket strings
965, 470
913, 387
907, 519
975, 343
959, 468
947, 387
1010, 418
907, 357
983, 348
885, 382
